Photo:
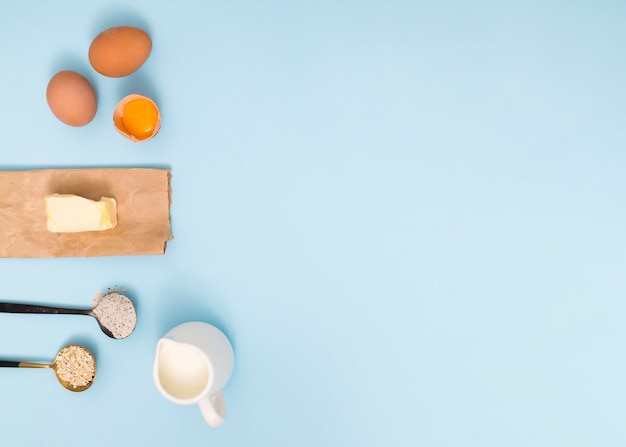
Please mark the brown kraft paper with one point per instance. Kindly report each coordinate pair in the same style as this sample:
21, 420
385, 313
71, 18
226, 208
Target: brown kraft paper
143, 198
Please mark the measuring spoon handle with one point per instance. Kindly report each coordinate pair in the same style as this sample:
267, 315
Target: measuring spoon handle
16, 308
9, 364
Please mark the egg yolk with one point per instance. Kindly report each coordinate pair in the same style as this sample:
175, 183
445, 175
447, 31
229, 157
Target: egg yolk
140, 118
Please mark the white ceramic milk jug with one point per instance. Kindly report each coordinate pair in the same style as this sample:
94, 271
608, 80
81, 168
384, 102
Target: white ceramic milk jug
193, 362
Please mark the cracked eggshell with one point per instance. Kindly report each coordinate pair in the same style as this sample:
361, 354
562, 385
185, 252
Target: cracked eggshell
137, 118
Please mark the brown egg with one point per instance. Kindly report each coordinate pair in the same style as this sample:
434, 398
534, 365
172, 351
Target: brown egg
137, 118
119, 51
71, 98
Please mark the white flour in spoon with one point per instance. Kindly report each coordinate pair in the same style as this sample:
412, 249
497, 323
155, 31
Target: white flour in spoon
116, 313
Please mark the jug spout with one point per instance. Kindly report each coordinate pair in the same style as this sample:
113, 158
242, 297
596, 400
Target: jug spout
162, 345
160, 361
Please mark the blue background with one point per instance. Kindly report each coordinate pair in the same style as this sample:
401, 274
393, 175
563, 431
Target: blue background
407, 216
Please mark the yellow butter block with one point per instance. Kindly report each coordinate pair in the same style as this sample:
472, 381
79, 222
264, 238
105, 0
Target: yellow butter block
69, 213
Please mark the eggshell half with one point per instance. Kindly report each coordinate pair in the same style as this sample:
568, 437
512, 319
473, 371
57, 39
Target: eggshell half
71, 98
119, 51
118, 119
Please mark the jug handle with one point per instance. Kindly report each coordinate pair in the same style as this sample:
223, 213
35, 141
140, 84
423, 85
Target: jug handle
213, 409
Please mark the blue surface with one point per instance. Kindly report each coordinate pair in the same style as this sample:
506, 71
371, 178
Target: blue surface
407, 216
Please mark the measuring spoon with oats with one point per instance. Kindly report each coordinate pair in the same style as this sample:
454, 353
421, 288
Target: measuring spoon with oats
74, 367
114, 312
